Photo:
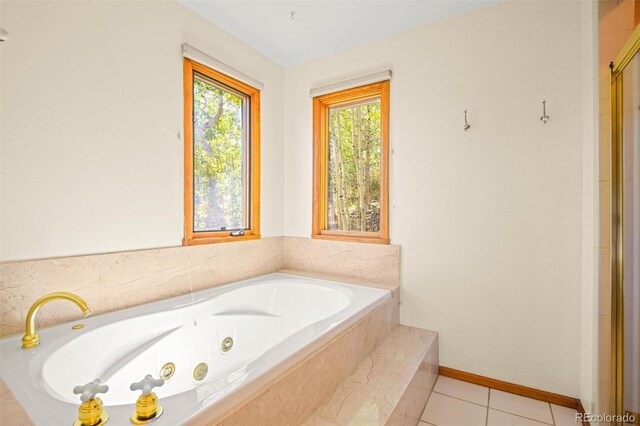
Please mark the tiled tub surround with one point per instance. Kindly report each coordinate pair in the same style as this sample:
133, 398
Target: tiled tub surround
414, 399
290, 393
115, 281
391, 386
378, 263
109, 282
323, 362
11, 412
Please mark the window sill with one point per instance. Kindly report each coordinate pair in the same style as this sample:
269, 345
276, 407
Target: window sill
221, 239
352, 238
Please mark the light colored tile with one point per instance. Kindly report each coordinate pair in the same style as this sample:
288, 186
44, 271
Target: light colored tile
216, 264
399, 419
315, 420
415, 397
563, 416
462, 390
388, 386
444, 410
172, 278
318, 392
500, 418
10, 299
294, 398
78, 275
372, 262
11, 412
521, 406
126, 279
363, 406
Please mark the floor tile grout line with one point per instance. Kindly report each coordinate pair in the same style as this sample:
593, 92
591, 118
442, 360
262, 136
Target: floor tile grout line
459, 399
489, 407
452, 397
553, 422
522, 417
492, 408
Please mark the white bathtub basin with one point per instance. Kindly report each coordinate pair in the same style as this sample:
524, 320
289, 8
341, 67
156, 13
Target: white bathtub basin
269, 318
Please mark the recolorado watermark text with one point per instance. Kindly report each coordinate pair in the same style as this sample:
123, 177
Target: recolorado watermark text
604, 418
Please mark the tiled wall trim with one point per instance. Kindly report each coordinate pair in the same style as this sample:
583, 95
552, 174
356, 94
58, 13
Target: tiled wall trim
113, 281
379, 263
109, 282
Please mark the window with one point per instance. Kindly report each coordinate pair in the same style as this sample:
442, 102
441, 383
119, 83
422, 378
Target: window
351, 151
222, 148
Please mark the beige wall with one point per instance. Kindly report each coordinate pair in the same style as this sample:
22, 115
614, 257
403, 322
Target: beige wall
589, 288
91, 102
489, 220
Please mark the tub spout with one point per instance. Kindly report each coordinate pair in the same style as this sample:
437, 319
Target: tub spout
31, 339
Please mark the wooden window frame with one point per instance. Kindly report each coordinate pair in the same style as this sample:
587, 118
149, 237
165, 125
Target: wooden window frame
321, 105
253, 94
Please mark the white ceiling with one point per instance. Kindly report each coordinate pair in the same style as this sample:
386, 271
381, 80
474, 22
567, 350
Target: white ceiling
321, 27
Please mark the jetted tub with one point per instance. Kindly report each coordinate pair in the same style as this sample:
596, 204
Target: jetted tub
269, 318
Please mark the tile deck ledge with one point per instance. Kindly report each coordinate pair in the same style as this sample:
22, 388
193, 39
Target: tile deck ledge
390, 387
340, 278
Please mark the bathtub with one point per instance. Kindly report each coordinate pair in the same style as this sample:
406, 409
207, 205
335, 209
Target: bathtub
270, 319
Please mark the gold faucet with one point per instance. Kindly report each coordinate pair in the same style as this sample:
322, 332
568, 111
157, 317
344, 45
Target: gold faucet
31, 339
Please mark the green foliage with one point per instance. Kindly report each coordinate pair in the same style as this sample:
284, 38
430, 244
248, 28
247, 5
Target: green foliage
354, 168
218, 158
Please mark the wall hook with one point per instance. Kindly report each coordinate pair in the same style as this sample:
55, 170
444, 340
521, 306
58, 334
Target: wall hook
544, 117
466, 124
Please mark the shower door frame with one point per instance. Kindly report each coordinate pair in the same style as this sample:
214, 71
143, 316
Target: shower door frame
631, 47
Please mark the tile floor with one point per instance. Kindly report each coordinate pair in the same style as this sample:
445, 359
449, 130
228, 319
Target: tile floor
456, 403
